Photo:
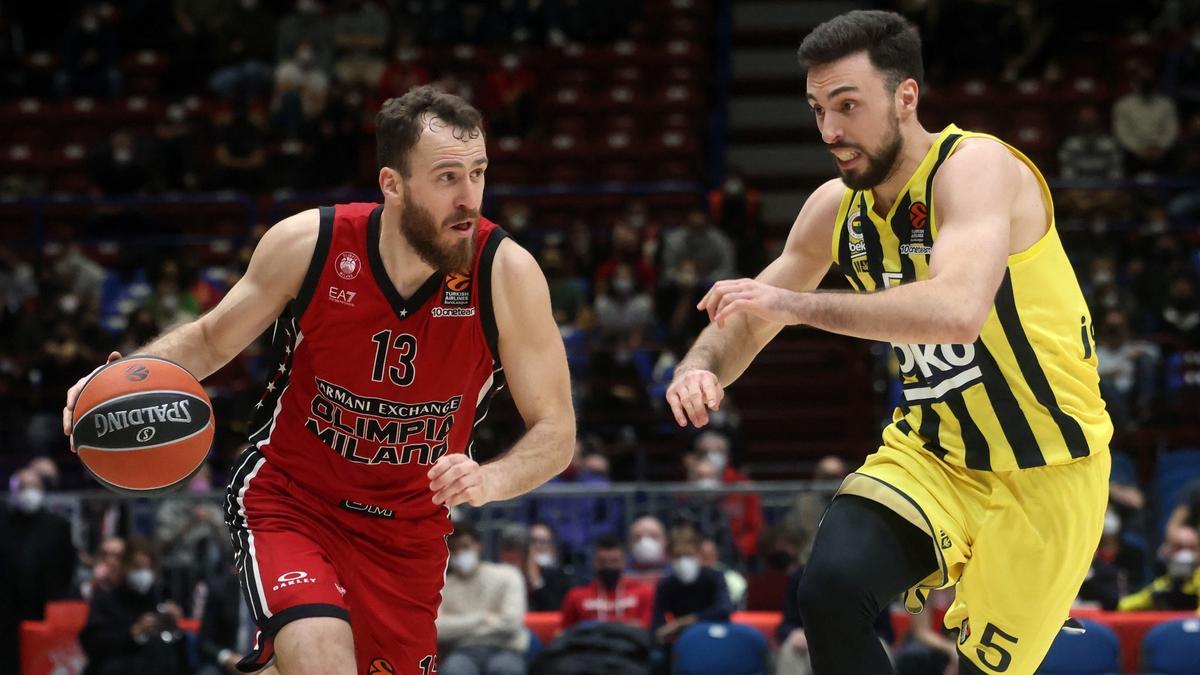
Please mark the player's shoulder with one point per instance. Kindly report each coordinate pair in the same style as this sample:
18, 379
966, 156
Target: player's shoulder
979, 154
294, 235
514, 263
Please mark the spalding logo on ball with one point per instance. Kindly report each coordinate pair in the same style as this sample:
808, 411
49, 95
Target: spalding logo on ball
142, 425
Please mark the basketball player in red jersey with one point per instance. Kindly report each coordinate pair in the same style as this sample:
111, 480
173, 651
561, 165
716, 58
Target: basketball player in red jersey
394, 324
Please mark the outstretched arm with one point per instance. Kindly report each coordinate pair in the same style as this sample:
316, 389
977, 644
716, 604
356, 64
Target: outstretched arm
535, 365
966, 268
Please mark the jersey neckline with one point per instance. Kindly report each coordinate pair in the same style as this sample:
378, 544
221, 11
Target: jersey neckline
403, 308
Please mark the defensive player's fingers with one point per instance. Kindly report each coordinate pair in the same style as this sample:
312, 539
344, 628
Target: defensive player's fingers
452, 497
115, 356
712, 392
676, 407
731, 309
694, 407
66, 421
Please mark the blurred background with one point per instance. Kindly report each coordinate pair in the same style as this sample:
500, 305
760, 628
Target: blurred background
641, 149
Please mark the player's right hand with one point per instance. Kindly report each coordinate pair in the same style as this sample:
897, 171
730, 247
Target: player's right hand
692, 394
73, 396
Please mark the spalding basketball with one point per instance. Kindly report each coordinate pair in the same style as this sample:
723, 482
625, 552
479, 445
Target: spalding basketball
142, 425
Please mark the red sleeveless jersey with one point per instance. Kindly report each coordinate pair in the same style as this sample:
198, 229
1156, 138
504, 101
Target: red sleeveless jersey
368, 389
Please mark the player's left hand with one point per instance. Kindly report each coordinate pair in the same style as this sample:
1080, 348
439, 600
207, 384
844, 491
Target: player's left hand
727, 298
457, 479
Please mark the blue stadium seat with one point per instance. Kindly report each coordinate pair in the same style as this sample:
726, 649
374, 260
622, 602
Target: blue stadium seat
1172, 473
1124, 470
1094, 652
720, 649
535, 646
1172, 648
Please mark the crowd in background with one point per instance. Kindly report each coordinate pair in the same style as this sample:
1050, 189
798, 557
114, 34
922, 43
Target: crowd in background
293, 85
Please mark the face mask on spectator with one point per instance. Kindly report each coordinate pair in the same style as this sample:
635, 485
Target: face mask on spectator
717, 459
609, 578
686, 568
1182, 565
647, 550
1112, 523
140, 580
29, 499
544, 559
622, 285
465, 562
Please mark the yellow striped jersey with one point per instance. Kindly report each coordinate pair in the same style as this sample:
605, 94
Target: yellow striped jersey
1026, 393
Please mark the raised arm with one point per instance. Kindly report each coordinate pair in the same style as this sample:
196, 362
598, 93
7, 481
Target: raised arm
535, 366
965, 270
273, 278
720, 356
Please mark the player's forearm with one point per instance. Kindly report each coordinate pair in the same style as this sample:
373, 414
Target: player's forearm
190, 347
922, 312
542, 453
727, 352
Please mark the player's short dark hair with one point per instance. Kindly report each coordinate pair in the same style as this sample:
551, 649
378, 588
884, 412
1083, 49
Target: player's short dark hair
464, 529
608, 542
400, 121
891, 41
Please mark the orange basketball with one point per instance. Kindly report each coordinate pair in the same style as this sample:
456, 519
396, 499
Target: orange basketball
142, 425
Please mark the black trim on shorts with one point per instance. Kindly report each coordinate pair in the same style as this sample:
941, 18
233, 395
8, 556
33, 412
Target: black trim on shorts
320, 254
265, 651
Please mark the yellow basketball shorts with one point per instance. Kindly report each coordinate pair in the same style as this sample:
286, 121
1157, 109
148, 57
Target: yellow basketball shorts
1016, 544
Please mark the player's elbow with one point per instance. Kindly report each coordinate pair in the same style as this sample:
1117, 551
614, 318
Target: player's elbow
966, 324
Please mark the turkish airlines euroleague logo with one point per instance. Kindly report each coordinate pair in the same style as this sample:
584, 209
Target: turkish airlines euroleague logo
347, 265
458, 290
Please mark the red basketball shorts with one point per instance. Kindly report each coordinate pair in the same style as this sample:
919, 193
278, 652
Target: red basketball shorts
299, 556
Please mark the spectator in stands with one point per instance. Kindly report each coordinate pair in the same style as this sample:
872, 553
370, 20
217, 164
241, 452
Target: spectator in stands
108, 567
533, 551
648, 547
1113, 569
245, 53
1089, 151
227, 630
627, 248
128, 630
742, 510
17, 284
576, 520
81, 275
701, 241
122, 164
568, 292
306, 37
38, 559
1127, 369
737, 210
1181, 311
172, 302
710, 557
676, 302
360, 32
766, 589
90, 57
191, 535
1179, 588
240, 151
1146, 124
175, 150
808, 507
611, 596
298, 102
508, 100
690, 593
404, 71
1188, 164
624, 310
481, 623
1184, 522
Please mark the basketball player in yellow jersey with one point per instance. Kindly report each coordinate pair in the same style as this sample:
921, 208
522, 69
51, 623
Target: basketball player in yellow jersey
993, 475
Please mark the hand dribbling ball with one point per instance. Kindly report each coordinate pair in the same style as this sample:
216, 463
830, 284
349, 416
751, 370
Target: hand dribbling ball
142, 425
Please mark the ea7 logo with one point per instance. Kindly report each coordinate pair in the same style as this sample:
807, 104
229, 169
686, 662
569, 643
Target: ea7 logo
343, 297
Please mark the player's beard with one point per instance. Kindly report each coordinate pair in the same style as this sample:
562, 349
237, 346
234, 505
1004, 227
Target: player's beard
879, 163
423, 233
